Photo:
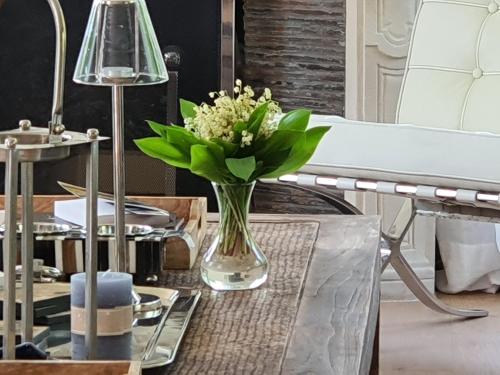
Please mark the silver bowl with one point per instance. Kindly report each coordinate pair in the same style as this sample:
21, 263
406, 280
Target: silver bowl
34, 145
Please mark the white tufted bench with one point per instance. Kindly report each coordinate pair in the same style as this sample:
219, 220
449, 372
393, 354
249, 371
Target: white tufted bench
453, 71
451, 167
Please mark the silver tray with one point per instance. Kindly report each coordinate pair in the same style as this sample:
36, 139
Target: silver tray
162, 335
43, 229
131, 230
172, 332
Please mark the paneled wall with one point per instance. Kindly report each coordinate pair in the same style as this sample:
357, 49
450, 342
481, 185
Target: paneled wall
297, 48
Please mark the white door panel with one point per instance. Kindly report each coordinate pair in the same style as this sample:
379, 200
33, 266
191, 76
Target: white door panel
377, 46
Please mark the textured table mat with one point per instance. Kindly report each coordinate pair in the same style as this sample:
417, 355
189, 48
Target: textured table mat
246, 332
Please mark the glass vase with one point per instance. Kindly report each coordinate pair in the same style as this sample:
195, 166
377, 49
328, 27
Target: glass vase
234, 261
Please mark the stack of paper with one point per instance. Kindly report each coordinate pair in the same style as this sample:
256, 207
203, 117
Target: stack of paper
74, 211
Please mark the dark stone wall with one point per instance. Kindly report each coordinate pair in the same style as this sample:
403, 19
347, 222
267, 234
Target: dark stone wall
297, 48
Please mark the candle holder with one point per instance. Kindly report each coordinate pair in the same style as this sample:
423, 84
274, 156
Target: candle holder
24, 147
120, 49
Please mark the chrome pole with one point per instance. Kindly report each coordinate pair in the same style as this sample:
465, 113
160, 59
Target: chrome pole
59, 69
91, 245
119, 178
228, 32
27, 252
10, 250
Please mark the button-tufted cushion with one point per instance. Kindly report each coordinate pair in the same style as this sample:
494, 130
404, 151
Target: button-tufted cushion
407, 154
453, 72
452, 81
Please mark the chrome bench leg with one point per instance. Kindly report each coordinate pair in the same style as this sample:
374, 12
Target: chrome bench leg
398, 231
390, 251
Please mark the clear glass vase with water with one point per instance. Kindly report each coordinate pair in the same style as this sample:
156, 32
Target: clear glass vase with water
234, 261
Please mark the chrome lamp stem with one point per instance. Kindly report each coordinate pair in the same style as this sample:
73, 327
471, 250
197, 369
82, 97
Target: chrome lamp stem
27, 252
91, 244
60, 62
119, 178
10, 250
228, 37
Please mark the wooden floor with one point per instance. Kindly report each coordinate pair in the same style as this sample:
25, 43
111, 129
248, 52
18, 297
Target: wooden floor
415, 340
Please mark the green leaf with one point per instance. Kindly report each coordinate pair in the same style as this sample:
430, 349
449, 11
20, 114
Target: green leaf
258, 170
187, 109
295, 120
276, 159
301, 152
205, 164
256, 118
185, 140
240, 126
228, 147
280, 140
159, 129
159, 148
182, 137
242, 168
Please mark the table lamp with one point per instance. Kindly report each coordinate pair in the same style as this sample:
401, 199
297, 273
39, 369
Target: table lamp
120, 49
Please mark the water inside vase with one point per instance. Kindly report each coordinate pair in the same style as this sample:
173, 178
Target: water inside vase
234, 260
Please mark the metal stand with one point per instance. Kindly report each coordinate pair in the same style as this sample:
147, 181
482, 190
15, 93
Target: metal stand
38, 145
91, 245
10, 250
227, 50
27, 252
26, 156
398, 231
391, 241
119, 178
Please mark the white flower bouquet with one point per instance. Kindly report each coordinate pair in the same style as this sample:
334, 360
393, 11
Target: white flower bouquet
236, 140
233, 143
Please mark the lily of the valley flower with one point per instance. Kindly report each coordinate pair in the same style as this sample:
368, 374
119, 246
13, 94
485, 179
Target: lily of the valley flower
218, 120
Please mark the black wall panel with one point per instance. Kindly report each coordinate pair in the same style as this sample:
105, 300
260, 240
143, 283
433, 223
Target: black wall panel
26, 68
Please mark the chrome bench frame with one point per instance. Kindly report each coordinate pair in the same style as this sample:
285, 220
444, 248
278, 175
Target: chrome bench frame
431, 201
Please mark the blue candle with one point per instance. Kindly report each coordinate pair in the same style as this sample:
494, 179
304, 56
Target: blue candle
114, 321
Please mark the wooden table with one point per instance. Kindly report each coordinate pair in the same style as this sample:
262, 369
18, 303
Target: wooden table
336, 326
334, 329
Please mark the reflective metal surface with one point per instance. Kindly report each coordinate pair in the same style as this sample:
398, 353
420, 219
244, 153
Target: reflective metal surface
119, 177
156, 339
442, 195
227, 40
60, 62
148, 307
92, 185
131, 230
394, 239
10, 250
172, 331
43, 229
27, 252
27, 145
41, 274
34, 145
442, 203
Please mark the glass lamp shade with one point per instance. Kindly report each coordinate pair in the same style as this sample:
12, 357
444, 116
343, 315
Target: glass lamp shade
120, 46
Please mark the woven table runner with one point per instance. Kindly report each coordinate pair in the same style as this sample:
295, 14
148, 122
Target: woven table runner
246, 332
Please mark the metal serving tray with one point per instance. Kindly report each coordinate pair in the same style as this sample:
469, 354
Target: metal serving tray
170, 332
